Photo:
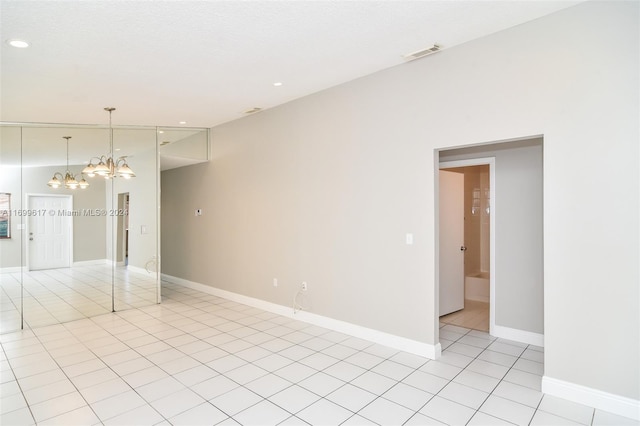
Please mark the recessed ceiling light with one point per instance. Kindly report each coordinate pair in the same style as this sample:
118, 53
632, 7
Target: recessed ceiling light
117, 149
277, 84
160, 131
183, 122
18, 43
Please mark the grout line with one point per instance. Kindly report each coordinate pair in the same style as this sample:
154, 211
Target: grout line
18, 384
68, 378
180, 304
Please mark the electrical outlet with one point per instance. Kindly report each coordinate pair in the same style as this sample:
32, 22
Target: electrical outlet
304, 286
275, 282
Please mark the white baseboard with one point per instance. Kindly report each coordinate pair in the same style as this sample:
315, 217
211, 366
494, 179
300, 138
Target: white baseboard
91, 262
382, 338
139, 270
516, 335
12, 269
616, 404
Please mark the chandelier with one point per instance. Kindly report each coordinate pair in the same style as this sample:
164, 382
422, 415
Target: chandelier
109, 167
69, 179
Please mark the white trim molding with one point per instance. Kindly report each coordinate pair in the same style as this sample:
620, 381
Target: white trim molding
397, 342
13, 269
516, 335
616, 404
140, 270
91, 262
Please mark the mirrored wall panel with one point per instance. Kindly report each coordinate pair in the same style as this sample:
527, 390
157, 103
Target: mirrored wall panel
133, 213
65, 273
182, 147
76, 241
80, 218
11, 229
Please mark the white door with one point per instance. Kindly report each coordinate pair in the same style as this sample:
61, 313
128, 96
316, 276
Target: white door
49, 232
451, 242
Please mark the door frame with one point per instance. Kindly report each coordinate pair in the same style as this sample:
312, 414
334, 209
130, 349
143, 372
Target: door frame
69, 204
481, 161
122, 226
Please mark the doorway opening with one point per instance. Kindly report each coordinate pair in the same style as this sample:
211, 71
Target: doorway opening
475, 251
516, 252
466, 243
122, 235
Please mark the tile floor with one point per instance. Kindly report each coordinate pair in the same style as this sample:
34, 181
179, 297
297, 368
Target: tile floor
60, 295
475, 316
199, 359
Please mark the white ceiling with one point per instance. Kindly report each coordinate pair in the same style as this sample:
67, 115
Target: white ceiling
206, 62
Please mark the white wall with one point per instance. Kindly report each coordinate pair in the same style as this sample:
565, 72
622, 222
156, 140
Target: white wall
323, 189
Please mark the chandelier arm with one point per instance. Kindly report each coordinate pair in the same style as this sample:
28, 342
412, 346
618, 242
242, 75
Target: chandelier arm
108, 165
68, 179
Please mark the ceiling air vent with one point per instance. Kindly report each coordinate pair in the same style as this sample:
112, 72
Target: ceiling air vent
163, 143
422, 53
252, 110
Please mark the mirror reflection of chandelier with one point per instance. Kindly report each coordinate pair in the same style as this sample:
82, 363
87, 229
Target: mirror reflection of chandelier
109, 167
69, 179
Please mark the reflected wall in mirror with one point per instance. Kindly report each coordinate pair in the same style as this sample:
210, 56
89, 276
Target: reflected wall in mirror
132, 205
11, 248
182, 147
65, 275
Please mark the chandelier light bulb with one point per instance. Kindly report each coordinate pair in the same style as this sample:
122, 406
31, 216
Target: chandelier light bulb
54, 182
89, 170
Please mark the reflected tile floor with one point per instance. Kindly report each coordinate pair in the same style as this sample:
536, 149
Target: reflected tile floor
56, 296
199, 359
